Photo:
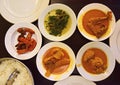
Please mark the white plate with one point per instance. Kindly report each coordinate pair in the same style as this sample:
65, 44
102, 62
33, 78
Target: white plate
9, 65
68, 33
115, 42
41, 68
75, 80
16, 11
11, 40
92, 6
110, 59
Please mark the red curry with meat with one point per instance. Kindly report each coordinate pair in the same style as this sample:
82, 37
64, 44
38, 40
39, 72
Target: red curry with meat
96, 22
94, 61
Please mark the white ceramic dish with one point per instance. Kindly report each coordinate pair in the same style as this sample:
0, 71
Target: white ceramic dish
101, 7
16, 11
115, 42
11, 40
41, 68
75, 80
110, 60
10, 65
63, 36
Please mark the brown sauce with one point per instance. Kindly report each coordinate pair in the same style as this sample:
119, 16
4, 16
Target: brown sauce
94, 61
56, 61
93, 14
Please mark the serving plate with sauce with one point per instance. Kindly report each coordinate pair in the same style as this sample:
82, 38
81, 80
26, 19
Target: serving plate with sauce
55, 61
96, 22
95, 61
57, 22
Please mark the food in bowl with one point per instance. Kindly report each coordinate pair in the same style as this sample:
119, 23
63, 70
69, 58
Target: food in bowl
94, 61
13, 72
99, 22
99, 61
60, 57
25, 41
56, 60
57, 22
96, 22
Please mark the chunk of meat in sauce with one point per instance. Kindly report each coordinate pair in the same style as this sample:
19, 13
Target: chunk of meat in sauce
57, 54
97, 26
96, 62
55, 60
89, 54
62, 62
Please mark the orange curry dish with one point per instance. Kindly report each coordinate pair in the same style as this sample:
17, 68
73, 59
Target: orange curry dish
25, 41
56, 61
96, 22
94, 61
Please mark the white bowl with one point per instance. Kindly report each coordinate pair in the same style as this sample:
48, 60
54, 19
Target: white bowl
110, 61
11, 40
67, 34
101, 7
10, 65
55, 77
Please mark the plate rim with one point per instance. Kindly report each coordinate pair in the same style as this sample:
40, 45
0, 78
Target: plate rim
75, 77
13, 19
113, 42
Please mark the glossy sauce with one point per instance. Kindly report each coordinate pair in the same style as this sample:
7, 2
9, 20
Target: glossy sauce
56, 69
92, 14
92, 69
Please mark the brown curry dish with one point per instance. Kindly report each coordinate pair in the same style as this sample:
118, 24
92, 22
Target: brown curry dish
96, 22
56, 60
94, 61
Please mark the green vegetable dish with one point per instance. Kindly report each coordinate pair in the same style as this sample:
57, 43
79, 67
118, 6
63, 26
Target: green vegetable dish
57, 22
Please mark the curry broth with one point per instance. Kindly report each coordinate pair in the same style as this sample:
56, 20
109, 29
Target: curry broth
52, 13
56, 69
92, 14
89, 67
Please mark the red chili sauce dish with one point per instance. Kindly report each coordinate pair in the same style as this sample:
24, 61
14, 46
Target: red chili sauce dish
25, 41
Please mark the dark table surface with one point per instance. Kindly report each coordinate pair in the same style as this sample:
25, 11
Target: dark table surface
76, 41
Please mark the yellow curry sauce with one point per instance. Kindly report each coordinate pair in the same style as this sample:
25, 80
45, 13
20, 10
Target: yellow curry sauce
57, 22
